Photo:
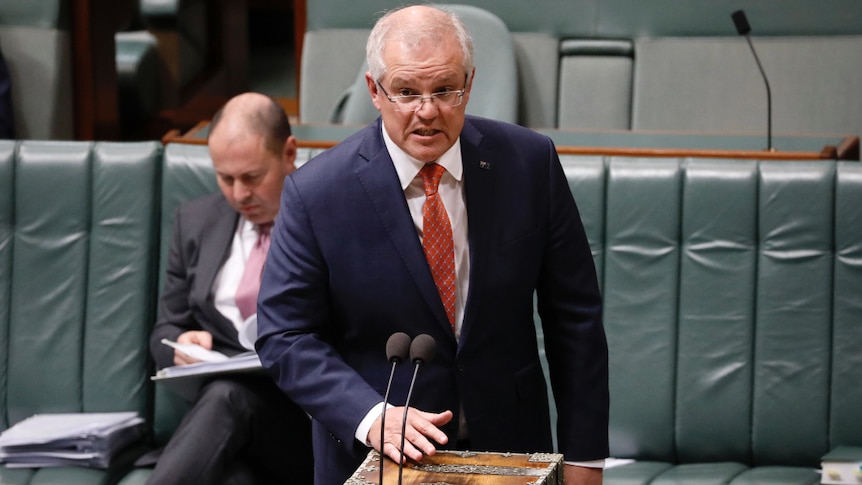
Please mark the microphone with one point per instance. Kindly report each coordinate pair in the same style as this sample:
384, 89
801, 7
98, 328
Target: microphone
421, 352
397, 348
742, 27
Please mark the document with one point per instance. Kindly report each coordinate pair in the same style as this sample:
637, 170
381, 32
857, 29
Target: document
245, 361
63, 439
195, 351
842, 466
186, 380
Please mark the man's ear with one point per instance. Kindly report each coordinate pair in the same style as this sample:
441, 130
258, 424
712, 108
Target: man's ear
288, 154
373, 91
470, 80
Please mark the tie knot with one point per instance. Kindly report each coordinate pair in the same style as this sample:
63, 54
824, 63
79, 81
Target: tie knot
264, 229
431, 174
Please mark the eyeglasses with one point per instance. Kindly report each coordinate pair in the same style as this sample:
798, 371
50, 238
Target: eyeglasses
413, 102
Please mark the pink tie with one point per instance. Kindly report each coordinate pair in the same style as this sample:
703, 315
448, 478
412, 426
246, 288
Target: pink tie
437, 239
249, 285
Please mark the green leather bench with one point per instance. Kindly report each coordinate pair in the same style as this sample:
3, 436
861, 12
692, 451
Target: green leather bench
731, 292
78, 254
732, 310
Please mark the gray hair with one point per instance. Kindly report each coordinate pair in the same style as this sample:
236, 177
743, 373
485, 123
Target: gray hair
387, 29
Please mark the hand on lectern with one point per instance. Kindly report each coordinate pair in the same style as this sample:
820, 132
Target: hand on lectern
422, 431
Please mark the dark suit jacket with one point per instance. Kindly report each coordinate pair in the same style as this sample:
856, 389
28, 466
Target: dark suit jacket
346, 270
203, 229
7, 119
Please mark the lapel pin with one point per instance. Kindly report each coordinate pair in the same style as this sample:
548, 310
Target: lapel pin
485, 165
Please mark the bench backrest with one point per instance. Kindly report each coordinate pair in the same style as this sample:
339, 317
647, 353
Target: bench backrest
732, 306
78, 233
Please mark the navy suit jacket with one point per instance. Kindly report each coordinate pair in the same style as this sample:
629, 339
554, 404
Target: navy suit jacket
346, 270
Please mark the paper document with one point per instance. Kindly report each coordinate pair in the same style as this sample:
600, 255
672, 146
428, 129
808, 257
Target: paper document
186, 380
195, 351
243, 361
86, 439
842, 466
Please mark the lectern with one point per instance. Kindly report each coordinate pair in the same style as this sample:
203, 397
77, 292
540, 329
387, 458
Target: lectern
465, 467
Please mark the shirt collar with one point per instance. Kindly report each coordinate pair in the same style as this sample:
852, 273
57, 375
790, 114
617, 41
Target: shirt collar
408, 167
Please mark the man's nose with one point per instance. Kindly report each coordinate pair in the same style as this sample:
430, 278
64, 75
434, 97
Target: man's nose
428, 108
240, 191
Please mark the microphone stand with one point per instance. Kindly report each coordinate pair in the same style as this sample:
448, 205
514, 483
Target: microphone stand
397, 348
422, 350
404, 422
743, 28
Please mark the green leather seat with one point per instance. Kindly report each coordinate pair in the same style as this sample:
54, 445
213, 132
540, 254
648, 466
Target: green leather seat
729, 306
713, 84
78, 232
595, 84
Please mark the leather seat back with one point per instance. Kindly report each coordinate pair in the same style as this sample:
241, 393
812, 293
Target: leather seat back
78, 233
731, 305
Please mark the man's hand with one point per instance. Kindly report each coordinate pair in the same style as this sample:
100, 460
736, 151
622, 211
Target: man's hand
198, 337
421, 428
581, 475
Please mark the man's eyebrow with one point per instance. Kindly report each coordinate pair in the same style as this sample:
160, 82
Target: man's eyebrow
453, 80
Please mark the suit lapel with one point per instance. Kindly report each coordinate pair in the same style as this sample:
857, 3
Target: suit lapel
377, 175
215, 248
480, 168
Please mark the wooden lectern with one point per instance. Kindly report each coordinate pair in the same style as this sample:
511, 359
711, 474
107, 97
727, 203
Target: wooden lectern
465, 467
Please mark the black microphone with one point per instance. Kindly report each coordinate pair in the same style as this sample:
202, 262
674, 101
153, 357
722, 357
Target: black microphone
397, 348
743, 28
421, 352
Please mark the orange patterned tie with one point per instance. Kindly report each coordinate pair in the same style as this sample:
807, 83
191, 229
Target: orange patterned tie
437, 239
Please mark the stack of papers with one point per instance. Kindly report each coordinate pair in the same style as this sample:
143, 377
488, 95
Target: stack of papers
83, 439
842, 466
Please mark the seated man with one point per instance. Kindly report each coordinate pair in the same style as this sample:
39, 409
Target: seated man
241, 429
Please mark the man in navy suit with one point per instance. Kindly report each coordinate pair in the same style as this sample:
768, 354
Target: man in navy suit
240, 430
347, 268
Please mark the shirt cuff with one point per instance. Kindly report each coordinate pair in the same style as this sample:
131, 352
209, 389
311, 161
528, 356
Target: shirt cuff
367, 421
588, 464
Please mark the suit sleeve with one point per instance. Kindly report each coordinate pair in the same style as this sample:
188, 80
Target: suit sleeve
570, 306
175, 314
296, 326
